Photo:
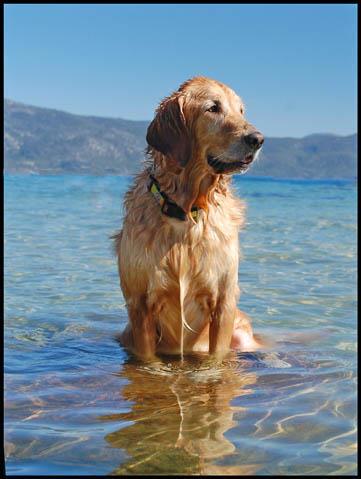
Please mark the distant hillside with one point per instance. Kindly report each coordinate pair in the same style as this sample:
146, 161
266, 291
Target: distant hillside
45, 141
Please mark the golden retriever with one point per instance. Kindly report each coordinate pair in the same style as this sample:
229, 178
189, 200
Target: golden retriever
178, 251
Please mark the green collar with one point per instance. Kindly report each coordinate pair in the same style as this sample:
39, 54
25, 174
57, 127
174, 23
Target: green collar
168, 207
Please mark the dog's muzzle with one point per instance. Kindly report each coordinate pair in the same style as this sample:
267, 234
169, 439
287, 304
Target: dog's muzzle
253, 141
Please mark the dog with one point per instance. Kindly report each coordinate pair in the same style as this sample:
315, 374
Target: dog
178, 250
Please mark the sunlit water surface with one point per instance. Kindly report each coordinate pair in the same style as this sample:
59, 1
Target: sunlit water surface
77, 403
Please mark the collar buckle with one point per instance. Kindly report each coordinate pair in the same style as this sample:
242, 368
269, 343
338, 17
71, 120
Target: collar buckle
167, 206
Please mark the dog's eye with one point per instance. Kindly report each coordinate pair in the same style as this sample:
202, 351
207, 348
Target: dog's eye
242, 111
215, 108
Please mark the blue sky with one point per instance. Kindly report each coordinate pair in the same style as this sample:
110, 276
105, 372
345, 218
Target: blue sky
293, 65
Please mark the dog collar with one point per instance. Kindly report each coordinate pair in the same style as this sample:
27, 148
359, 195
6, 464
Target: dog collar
168, 207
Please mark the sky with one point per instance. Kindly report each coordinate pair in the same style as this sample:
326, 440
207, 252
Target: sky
294, 66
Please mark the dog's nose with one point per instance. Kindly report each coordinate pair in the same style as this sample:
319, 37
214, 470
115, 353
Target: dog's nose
254, 140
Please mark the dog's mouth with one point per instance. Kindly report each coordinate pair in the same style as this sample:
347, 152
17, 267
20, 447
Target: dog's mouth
220, 166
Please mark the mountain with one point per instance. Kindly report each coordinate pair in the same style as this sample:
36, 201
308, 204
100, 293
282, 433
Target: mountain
40, 140
47, 141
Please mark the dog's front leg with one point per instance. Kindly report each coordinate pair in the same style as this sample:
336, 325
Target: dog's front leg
221, 326
143, 329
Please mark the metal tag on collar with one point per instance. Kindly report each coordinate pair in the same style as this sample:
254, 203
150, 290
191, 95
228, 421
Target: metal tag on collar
195, 215
157, 194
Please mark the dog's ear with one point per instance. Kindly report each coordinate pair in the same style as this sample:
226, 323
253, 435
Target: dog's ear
168, 132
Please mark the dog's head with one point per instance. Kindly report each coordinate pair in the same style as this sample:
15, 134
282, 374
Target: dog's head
204, 122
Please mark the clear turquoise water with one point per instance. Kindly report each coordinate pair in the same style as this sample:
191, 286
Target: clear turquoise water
77, 403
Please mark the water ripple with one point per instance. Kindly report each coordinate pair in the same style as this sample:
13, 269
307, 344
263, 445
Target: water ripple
77, 403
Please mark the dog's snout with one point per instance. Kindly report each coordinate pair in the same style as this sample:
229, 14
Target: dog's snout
254, 140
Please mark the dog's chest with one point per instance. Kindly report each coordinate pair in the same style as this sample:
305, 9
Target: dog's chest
185, 291
203, 255
189, 274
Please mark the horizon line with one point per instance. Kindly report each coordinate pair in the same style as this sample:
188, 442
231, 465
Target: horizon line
148, 121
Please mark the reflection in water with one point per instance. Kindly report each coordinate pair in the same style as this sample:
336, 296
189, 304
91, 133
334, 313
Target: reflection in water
179, 418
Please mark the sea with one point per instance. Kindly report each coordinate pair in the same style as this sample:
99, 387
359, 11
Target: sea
77, 403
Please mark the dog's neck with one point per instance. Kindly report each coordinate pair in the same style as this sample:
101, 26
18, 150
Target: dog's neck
191, 186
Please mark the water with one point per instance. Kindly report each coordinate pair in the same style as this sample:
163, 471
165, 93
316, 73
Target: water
77, 403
